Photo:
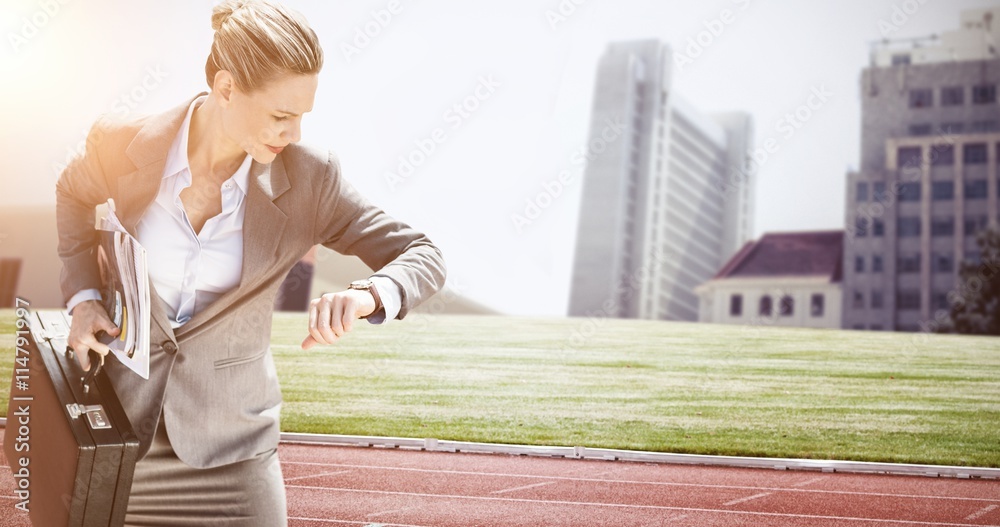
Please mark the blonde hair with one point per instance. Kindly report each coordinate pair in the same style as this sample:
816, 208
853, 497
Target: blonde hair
258, 40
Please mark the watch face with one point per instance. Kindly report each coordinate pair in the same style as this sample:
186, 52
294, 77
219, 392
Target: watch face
361, 284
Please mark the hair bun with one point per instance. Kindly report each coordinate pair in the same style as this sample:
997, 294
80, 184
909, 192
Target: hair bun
224, 10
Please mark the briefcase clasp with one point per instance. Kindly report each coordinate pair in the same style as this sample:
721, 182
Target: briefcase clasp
94, 412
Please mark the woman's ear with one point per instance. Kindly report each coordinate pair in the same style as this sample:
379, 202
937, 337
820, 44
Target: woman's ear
223, 86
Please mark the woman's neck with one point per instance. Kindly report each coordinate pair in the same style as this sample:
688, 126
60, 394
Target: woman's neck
210, 152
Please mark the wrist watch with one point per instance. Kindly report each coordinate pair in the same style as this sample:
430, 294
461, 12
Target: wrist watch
367, 285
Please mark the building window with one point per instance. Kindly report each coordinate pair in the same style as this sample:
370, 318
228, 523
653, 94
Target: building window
974, 224
787, 306
909, 192
983, 127
943, 226
878, 187
908, 263
951, 128
942, 190
736, 305
922, 98
859, 300
877, 263
878, 228
952, 96
859, 264
921, 129
973, 257
862, 192
876, 327
942, 155
766, 307
816, 305
901, 59
939, 300
942, 263
908, 299
908, 227
982, 94
974, 154
861, 226
877, 300
908, 156
975, 189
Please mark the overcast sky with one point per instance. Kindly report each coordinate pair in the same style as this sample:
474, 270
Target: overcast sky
533, 63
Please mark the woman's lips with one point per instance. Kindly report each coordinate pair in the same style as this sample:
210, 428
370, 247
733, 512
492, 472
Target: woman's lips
275, 149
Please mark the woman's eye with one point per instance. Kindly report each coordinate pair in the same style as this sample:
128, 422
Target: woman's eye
280, 117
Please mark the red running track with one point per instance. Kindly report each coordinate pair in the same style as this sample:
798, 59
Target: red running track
333, 485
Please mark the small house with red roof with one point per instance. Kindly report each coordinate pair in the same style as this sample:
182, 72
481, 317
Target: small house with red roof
782, 279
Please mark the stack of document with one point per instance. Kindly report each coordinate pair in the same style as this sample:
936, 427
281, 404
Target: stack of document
126, 293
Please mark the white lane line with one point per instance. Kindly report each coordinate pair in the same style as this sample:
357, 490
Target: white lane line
810, 481
383, 513
349, 522
524, 487
639, 482
743, 500
317, 475
981, 512
643, 507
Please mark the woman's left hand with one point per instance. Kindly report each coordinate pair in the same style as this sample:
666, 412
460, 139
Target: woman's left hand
333, 314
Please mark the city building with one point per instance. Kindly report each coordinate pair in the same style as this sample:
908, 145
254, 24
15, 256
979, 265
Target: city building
667, 192
783, 279
927, 181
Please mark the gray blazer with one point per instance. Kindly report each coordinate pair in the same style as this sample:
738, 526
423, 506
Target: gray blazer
214, 377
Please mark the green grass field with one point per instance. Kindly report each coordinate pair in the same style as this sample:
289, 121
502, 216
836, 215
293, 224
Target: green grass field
660, 386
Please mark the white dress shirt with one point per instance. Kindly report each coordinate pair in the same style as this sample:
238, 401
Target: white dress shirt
191, 270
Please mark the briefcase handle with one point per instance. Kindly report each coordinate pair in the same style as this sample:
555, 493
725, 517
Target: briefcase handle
96, 363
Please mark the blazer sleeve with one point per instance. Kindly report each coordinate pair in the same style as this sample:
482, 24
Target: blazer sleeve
349, 224
80, 188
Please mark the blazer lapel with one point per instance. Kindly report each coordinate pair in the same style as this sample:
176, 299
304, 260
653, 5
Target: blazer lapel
263, 228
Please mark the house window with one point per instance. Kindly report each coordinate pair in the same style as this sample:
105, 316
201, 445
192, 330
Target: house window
861, 226
922, 98
942, 190
943, 263
975, 189
787, 306
908, 156
943, 226
952, 96
908, 299
816, 305
908, 263
908, 227
859, 300
921, 129
859, 264
943, 155
974, 154
877, 300
982, 94
877, 263
736, 305
862, 191
878, 228
766, 307
909, 192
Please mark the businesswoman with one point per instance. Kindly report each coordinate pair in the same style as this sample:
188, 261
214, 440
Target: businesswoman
225, 202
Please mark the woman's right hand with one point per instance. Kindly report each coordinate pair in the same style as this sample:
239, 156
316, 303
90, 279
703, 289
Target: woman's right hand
88, 319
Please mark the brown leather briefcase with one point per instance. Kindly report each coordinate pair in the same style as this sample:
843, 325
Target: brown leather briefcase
68, 441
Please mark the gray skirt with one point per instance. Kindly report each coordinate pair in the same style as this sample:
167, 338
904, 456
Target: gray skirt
166, 492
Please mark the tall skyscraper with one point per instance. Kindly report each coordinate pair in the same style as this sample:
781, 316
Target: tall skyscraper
667, 192
927, 182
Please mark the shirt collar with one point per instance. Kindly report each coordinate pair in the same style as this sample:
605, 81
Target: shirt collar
177, 159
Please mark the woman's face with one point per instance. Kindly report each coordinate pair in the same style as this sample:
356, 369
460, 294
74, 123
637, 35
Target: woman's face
265, 120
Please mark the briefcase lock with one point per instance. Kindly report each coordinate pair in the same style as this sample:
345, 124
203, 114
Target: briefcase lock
94, 412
